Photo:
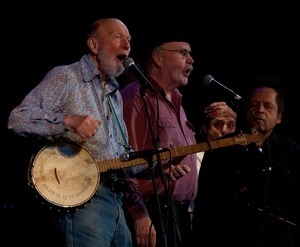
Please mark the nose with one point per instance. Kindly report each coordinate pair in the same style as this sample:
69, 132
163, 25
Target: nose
189, 59
225, 130
260, 107
126, 44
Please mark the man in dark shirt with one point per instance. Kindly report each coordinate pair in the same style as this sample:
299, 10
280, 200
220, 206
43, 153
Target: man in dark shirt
249, 196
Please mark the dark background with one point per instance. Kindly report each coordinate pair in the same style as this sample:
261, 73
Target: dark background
230, 41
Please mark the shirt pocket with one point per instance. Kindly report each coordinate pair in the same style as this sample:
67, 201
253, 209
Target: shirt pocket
166, 123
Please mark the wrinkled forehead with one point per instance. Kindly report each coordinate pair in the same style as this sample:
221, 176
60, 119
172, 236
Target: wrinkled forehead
223, 119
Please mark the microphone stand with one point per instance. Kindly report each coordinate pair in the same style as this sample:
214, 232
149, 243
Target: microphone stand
268, 167
149, 159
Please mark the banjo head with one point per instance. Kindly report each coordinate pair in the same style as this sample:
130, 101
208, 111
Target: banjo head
64, 174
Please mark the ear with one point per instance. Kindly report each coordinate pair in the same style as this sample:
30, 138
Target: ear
279, 118
93, 45
156, 57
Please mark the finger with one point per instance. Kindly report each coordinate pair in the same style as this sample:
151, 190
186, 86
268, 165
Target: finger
179, 172
186, 168
176, 171
172, 177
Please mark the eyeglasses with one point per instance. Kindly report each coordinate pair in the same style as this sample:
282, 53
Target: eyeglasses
183, 52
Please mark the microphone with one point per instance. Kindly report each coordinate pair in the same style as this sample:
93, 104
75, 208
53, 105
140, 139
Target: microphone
141, 154
129, 65
207, 79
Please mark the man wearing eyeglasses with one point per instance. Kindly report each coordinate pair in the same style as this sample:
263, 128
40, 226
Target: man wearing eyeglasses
161, 122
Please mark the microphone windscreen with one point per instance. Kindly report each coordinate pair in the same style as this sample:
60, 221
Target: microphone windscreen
207, 79
128, 62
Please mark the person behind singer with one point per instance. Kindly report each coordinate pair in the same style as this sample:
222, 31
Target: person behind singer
250, 196
217, 121
168, 66
77, 102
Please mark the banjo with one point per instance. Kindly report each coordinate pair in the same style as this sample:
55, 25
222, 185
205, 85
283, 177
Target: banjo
66, 175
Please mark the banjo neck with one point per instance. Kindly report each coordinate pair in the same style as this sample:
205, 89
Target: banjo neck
241, 139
